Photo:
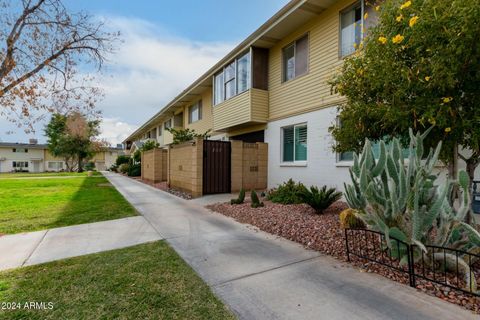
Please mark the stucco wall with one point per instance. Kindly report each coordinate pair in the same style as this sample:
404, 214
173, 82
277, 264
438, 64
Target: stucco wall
10, 156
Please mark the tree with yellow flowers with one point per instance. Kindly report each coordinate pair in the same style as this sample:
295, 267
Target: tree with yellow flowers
418, 67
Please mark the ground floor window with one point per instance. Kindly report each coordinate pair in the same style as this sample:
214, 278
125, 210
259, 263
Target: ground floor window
55, 165
348, 156
294, 144
20, 164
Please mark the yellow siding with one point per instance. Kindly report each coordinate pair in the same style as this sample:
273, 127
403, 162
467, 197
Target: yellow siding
249, 106
206, 122
259, 103
232, 112
310, 91
49, 157
99, 156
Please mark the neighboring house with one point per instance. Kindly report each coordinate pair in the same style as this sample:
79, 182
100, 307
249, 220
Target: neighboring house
273, 88
34, 157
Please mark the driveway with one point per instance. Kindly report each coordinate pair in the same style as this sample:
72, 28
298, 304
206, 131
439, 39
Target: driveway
261, 276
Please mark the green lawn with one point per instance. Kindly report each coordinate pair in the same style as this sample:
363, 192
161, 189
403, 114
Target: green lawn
36, 204
44, 174
148, 281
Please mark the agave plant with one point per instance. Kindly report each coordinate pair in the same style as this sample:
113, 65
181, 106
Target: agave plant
402, 199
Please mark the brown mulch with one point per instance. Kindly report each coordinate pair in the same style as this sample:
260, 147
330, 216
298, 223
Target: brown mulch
323, 233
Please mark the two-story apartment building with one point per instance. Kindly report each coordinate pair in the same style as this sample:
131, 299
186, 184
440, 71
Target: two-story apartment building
273, 87
34, 157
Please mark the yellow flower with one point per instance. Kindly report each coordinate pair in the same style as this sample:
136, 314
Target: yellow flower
406, 5
432, 121
398, 38
427, 78
412, 21
377, 8
383, 40
399, 18
365, 16
447, 99
447, 130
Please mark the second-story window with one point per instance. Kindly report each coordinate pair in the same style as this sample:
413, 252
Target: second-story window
167, 124
20, 150
295, 59
195, 112
233, 79
351, 30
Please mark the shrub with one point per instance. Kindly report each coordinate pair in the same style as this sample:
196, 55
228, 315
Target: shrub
320, 199
113, 168
121, 159
89, 166
349, 220
255, 201
240, 199
287, 193
135, 170
124, 168
403, 200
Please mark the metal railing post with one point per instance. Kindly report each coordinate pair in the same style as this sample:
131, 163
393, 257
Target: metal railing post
346, 244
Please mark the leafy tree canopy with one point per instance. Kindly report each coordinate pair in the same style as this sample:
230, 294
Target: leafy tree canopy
72, 137
418, 67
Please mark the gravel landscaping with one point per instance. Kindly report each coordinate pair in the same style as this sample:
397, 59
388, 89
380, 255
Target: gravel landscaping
323, 233
164, 187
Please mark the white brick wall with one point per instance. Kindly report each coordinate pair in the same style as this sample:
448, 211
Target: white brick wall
322, 167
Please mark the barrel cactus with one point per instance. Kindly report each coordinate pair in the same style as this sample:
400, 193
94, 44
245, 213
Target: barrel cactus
402, 199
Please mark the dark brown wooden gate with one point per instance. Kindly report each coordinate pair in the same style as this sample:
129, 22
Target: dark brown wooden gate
216, 167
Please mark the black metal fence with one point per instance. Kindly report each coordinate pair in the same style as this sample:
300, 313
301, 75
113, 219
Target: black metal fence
444, 266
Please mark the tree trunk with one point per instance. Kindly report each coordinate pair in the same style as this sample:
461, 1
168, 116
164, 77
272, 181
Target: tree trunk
452, 167
80, 165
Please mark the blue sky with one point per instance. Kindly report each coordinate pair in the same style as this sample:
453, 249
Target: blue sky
167, 45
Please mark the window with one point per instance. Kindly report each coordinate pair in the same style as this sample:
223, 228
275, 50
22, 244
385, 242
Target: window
348, 156
351, 30
20, 164
160, 131
230, 81
218, 85
295, 59
294, 143
20, 150
55, 165
233, 79
167, 124
195, 112
243, 73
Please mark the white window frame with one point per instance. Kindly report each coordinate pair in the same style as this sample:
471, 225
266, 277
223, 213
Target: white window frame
360, 3
235, 63
57, 166
199, 106
170, 121
294, 163
294, 45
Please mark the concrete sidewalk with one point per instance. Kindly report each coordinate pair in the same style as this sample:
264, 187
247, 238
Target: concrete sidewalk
54, 244
261, 276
